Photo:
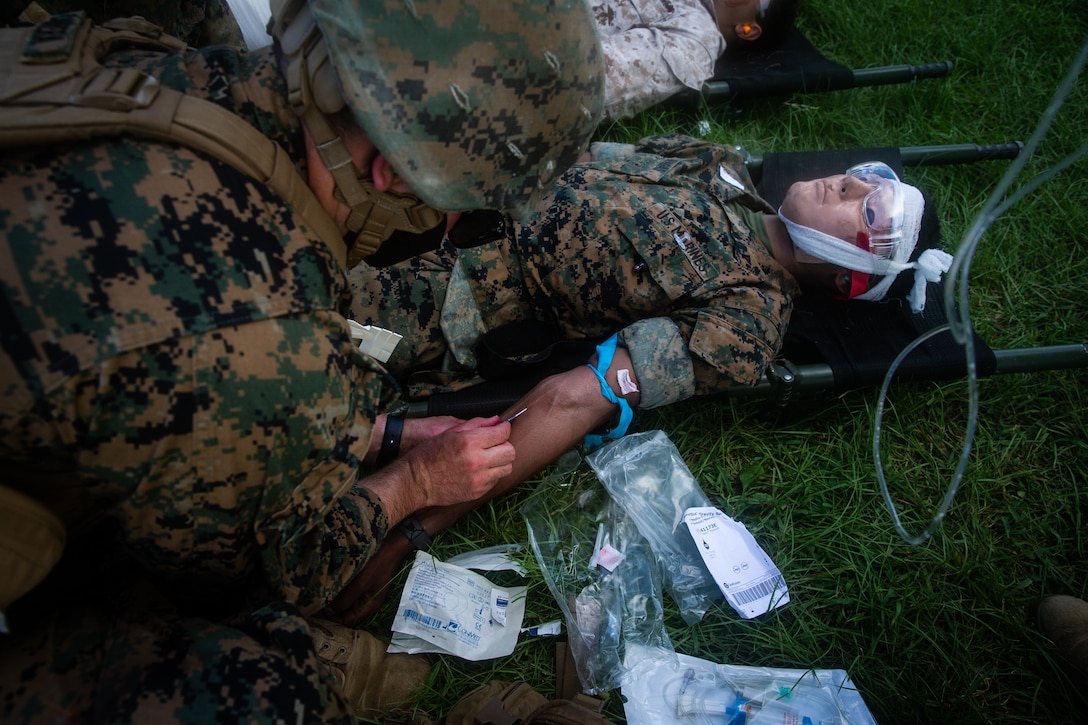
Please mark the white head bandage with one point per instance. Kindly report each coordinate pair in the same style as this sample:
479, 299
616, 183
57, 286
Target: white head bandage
932, 263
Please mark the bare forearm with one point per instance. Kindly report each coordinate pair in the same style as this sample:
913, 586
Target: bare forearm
559, 412
393, 485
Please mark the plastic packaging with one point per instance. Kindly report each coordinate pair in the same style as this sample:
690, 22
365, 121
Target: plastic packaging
603, 576
699, 692
447, 608
728, 702
646, 476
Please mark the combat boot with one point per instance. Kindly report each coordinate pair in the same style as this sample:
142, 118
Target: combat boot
373, 681
1064, 621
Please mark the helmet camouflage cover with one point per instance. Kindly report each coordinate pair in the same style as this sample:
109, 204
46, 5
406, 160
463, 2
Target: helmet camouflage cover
477, 104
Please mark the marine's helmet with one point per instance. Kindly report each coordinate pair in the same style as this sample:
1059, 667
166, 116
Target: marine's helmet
477, 104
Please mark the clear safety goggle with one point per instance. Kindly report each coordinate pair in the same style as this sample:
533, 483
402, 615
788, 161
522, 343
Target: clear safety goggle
882, 209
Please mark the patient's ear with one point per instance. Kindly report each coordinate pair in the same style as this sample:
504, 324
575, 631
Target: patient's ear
748, 31
842, 283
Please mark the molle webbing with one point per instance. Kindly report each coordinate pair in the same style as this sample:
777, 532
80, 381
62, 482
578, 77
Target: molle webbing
55, 90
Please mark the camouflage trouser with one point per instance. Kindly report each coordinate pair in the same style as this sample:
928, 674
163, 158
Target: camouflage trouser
127, 656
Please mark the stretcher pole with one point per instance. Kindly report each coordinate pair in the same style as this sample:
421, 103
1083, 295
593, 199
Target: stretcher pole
714, 92
939, 155
782, 383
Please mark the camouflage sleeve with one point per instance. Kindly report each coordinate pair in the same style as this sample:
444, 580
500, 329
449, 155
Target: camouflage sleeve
705, 157
654, 50
659, 355
406, 298
226, 453
605, 151
715, 345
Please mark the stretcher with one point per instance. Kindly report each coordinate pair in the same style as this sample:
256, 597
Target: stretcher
834, 345
796, 66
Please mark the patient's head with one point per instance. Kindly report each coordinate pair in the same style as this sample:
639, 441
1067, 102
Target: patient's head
754, 25
853, 234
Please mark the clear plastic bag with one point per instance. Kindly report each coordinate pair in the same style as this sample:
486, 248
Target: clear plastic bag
699, 692
646, 476
602, 574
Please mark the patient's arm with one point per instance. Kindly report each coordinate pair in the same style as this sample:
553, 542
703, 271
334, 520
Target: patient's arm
561, 410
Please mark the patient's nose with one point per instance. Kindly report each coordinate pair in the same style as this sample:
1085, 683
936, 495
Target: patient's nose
851, 187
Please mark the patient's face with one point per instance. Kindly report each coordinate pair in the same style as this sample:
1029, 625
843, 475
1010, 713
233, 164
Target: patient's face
832, 205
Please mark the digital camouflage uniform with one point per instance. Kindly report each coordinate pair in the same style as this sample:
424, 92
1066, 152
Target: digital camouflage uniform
198, 22
663, 243
123, 653
654, 49
174, 359
175, 367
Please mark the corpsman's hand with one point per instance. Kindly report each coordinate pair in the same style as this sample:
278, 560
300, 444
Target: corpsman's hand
418, 430
459, 465
413, 431
462, 464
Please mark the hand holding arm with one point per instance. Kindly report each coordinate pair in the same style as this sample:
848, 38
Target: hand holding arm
559, 411
415, 431
463, 463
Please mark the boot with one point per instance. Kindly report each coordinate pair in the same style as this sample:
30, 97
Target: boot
373, 681
1064, 621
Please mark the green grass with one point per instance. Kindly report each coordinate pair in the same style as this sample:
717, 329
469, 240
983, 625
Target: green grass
941, 632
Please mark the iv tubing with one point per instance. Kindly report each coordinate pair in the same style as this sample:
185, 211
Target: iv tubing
959, 324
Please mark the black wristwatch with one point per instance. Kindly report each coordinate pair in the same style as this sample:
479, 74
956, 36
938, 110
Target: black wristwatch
419, 538
390, 447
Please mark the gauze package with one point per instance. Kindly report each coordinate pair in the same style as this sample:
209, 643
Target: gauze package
750, 581
448, 609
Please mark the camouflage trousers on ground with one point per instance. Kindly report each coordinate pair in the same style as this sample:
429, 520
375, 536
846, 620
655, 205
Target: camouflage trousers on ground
129, 657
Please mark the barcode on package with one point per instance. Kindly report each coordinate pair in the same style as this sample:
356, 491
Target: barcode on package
425, 619
764, 588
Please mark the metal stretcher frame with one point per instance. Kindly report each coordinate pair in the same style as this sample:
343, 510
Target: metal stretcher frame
796, 66
794, 377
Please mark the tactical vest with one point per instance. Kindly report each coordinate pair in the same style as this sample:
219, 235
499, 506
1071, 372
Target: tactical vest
55, 89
